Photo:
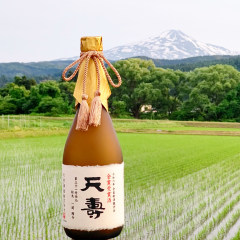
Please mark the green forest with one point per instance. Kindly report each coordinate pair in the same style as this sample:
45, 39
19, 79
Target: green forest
209, 93
47, 70
190, 66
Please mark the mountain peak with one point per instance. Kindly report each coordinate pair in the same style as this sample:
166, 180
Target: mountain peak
171, 44
170, 33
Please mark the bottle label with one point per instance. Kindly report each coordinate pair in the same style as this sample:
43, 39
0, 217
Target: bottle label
93, 197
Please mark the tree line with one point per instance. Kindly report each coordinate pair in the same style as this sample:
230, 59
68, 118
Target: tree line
205, 94
52, 69
190, 66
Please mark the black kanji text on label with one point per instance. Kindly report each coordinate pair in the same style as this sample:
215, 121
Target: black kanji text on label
92, 184
94, 205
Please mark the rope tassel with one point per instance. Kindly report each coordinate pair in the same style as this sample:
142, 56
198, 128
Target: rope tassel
96, 110
83, 115
92, 117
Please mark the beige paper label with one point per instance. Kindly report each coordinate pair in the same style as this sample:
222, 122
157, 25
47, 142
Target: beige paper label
93, 197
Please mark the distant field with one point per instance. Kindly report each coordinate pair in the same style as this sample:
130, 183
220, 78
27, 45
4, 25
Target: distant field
176, 187
25, 125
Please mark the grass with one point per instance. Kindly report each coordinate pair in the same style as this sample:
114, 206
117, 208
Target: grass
176, 186
237, 236
20, 126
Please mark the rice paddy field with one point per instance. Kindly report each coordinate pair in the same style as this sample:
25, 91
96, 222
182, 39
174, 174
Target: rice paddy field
176, 186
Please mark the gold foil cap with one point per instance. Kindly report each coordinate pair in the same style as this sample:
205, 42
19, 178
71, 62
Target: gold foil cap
91, 44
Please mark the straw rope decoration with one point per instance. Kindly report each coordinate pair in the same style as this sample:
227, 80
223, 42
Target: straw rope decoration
85, 116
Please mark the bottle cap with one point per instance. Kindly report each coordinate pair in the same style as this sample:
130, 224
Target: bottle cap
91, 44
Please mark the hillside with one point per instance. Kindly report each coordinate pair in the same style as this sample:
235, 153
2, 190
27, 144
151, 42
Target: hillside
53, 69
189, 64
164, 62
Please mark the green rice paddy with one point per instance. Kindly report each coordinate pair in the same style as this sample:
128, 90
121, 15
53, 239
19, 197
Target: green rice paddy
176, 187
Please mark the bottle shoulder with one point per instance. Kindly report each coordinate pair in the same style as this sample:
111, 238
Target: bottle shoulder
97, 146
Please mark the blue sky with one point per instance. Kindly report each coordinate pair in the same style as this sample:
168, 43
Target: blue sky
38, 30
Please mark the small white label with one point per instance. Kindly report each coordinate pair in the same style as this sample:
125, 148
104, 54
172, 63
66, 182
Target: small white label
93, 197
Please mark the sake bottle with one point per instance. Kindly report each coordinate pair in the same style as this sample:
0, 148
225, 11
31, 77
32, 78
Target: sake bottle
92, 170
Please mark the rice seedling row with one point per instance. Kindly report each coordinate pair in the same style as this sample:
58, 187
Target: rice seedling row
174, 187
165, 203
237, 235
235, 215
171, 228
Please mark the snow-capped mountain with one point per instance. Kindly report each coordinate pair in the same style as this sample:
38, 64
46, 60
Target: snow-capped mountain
172, 44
